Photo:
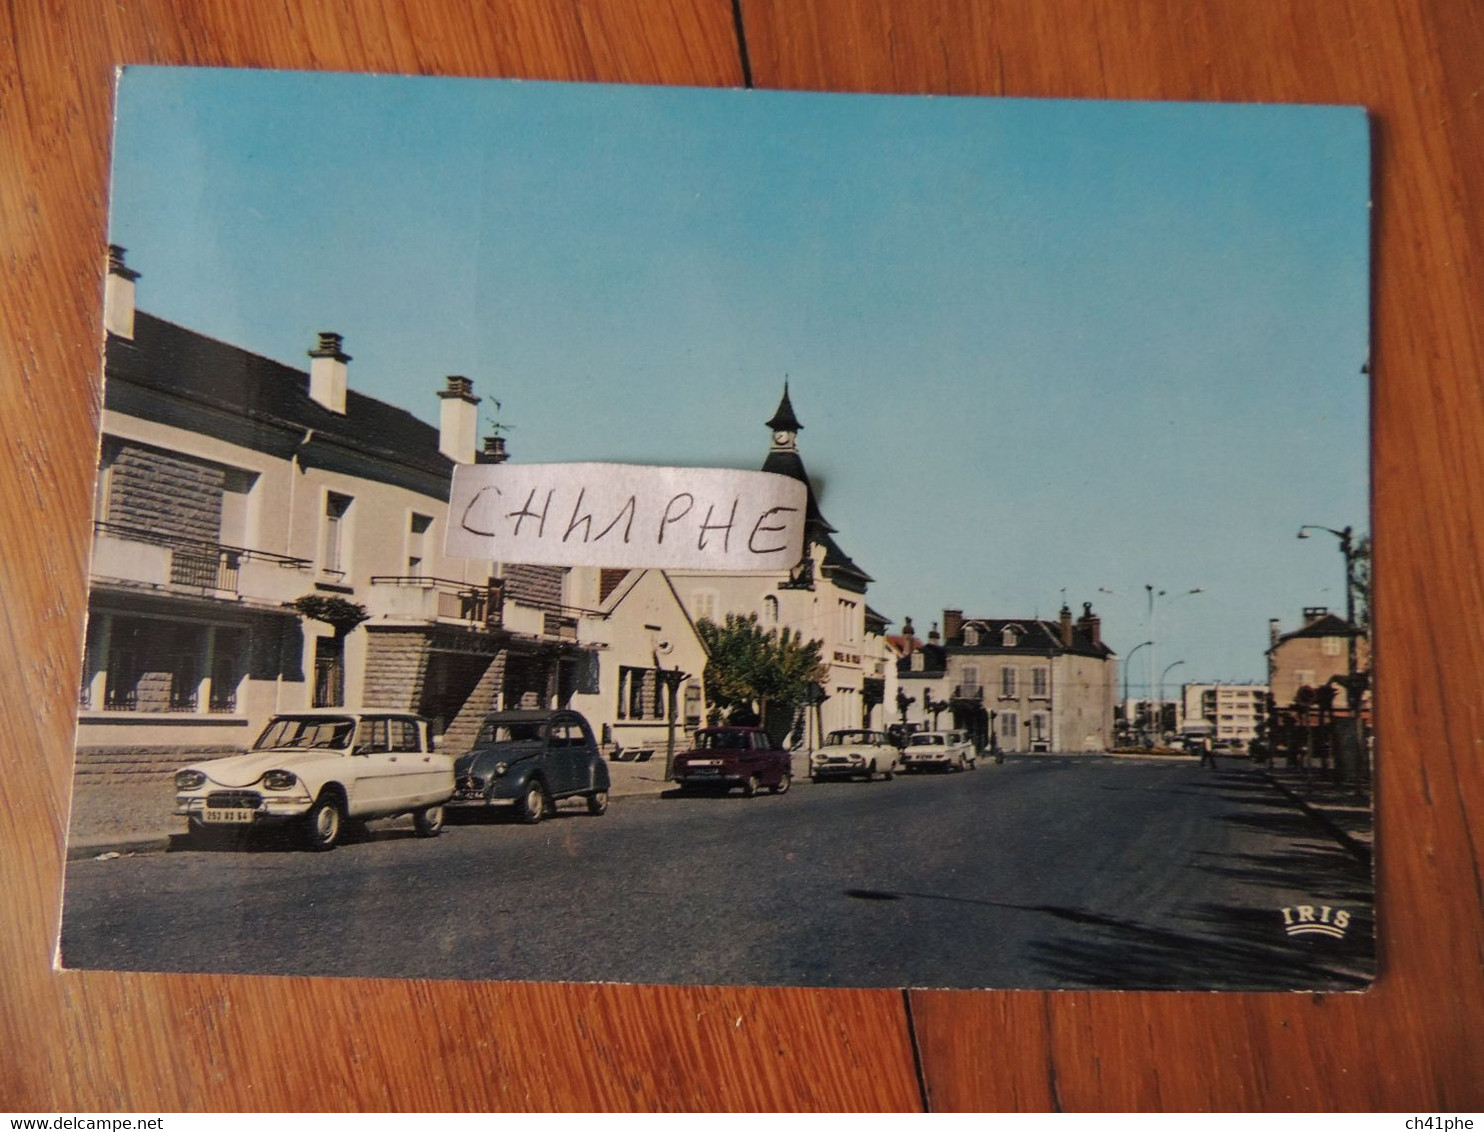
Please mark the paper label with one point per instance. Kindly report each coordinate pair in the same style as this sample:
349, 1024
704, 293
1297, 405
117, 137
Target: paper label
626, 515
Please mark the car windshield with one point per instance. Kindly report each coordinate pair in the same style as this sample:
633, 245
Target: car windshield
851, 738
925, 741
723, 740
523, 732
332, 732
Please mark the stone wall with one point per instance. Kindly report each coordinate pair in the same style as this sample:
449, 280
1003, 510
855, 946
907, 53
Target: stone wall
396, 666
166, 493
539, 586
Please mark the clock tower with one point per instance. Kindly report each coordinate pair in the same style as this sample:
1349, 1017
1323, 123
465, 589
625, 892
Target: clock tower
785, 425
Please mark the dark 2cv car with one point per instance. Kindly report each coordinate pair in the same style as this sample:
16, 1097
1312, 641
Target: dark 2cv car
531, 760
724, 757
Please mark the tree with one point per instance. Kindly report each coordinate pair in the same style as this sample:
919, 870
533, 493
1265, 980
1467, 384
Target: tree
750, 667
1360, 579
339, 614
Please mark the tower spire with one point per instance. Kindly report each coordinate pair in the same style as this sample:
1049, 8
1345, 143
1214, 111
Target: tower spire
784, 419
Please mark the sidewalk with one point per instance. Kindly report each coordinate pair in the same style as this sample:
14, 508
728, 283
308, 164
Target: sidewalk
135, 817
1343, 810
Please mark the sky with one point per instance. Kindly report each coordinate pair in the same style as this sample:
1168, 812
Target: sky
1042, 350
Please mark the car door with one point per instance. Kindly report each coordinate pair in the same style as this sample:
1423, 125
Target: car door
564, 756
428, 775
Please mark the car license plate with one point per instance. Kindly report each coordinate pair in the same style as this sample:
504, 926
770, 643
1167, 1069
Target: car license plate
229, 817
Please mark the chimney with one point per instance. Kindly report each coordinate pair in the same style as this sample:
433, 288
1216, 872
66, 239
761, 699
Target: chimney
1066, 625
458, 421
327, 373
118, 295
933, 637
1090, 625
1275, 630
1313, 613
953, 623
494, 452
908, 631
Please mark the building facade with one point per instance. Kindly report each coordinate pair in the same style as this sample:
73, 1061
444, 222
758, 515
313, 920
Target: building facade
267, 539
1034, 685
1237, 712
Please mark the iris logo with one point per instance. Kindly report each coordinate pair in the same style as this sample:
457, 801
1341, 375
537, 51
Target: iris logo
1307, 919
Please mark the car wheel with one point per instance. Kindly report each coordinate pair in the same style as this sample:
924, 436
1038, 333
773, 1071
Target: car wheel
749, 788
428, 822
889, 774
323, 823
532, 806
871, 771
597, 802
782, 785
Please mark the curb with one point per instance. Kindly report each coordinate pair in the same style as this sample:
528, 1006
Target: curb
1357, 848
122, 844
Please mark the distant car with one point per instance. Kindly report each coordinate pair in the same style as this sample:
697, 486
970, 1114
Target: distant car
854, 753
939, 750
531, 760
318, 769
898, 733
724, 757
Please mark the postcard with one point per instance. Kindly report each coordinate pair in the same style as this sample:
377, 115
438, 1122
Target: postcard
622, 534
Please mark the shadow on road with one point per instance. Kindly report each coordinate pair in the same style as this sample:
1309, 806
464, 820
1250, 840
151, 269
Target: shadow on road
1213, 944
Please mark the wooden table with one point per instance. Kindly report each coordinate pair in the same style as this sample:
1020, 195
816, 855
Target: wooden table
92, 1042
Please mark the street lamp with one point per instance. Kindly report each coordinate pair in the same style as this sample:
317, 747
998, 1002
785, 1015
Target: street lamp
1353, 681
1154, 593
1162, 675
1126, 665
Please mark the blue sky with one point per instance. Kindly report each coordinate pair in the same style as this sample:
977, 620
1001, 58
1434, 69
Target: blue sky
1037, 346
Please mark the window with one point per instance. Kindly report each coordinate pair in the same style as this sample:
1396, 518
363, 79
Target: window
1039, 727
1009, 725
1304, 676
1332, 646
1041, 682
1009, 638
703, 605
1007, 683
971, 677
770, 610
971, 636
417, 538
225, 671
640, 694
333, 552
329, 671
848, 611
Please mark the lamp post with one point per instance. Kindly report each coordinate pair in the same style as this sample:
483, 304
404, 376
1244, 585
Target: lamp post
1354, 683
1154, 593
1162, 675
1128, 724
673, 678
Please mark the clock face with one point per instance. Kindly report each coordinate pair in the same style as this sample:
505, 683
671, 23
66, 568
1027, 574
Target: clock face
781, 437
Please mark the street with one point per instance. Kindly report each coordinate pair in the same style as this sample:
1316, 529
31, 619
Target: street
1043, 872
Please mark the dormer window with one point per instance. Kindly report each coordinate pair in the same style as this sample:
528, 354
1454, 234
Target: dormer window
1010, 637
971, 636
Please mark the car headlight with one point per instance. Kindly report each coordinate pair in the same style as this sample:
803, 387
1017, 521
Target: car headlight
500, 769
189, 780
279, 780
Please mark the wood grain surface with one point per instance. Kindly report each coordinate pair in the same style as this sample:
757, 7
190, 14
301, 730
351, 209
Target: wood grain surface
96, 1041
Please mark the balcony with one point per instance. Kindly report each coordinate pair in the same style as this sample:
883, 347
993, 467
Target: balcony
428, 600
974, 693
143, 557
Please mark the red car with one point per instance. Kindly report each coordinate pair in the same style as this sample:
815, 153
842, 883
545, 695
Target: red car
724, 757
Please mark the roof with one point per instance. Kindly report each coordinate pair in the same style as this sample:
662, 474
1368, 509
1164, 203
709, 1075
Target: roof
187, 364
786, 462
1329, 625
784, 419
1036, 636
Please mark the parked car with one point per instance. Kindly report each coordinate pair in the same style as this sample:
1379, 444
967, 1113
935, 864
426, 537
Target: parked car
318, 769
939, 750
724, 757
854, 753
898, 733
531, 760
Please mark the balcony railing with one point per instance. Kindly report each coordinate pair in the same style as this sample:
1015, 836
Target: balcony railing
193, 563
444, 599
974, 692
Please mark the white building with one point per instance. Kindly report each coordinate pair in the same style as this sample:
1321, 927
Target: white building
1236, 711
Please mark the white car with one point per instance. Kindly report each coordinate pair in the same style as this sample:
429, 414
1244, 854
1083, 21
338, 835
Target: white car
939, 750
854, 753
317, 769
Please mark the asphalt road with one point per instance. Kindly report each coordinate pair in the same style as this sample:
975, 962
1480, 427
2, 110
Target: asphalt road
1043, 872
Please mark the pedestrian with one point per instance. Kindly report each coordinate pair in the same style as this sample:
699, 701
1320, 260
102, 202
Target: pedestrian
1208, 752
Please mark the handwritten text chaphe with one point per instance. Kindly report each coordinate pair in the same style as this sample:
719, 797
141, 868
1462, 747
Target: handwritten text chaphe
626, 515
